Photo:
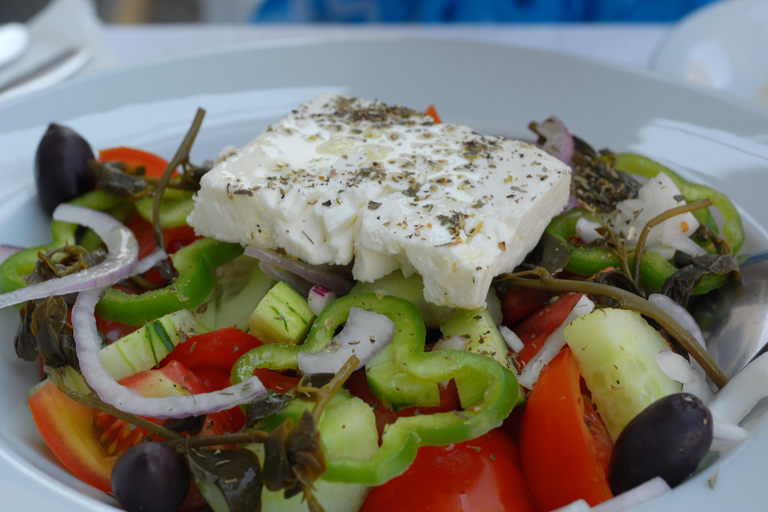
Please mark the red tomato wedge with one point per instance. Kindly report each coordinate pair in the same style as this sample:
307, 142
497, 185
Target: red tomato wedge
535, 330
153, 164
175, 238
68, 429
517, 304
561, 458
88, 441
220, 349
478, 475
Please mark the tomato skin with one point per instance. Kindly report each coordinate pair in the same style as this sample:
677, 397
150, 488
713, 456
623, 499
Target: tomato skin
114, 330
478, 475
535, 330
175, 238
517, 304
153, 164
562, 461
88, 441
65, 426
221, 349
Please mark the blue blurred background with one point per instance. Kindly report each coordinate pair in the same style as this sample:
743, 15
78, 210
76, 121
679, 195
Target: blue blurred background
373, 11
438, 11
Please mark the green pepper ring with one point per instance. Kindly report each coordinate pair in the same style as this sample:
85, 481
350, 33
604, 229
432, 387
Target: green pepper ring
401, 439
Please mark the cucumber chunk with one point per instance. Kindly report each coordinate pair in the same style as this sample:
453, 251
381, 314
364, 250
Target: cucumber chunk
347, 429
240, 286
616, 350
282, 316
483, 337
145, 348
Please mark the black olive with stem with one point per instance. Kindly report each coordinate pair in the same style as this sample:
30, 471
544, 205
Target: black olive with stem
61, 167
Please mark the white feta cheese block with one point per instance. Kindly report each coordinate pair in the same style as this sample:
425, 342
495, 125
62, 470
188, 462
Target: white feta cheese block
344, 179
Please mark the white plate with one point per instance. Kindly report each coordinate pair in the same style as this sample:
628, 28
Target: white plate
723, 46
495, 89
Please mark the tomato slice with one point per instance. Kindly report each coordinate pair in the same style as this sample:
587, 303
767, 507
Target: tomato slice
153, 164
535, 330
562, 460
221, 349
175, 238
517, 304
88, 441
481, 474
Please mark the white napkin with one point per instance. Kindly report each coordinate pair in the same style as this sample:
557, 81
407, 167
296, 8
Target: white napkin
61, 26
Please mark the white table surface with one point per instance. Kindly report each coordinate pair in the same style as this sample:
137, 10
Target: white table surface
624, 44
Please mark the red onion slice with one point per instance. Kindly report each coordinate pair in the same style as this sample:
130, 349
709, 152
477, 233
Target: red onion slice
530, 374
6, 251
455, 342
319, 297
364, 335
316, 274
121, 260
737, 398
149, 261
301, 285
555, 139
726, 435
677, 368
88, 345
512, 340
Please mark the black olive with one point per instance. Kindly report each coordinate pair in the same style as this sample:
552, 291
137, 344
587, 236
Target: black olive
150, 477
669, 438
61, 167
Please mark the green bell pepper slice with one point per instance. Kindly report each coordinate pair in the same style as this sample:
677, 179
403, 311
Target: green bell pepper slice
194, 265
16, 267
175, 206
401, 439
189, 290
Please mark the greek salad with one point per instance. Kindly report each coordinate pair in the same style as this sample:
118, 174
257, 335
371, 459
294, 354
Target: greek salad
366, 308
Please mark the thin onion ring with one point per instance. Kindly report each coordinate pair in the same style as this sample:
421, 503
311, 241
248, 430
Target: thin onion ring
88, 345
120, 263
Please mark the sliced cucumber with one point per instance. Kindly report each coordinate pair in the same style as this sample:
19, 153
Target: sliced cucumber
479, 328
333, 496
240, 286
145, 348
616, 350
282, 316
483, 337
141, 350
347, 429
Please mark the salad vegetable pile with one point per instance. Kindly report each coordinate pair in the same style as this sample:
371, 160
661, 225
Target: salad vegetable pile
181, 370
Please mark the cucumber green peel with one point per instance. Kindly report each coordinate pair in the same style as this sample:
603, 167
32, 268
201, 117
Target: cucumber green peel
400, 440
